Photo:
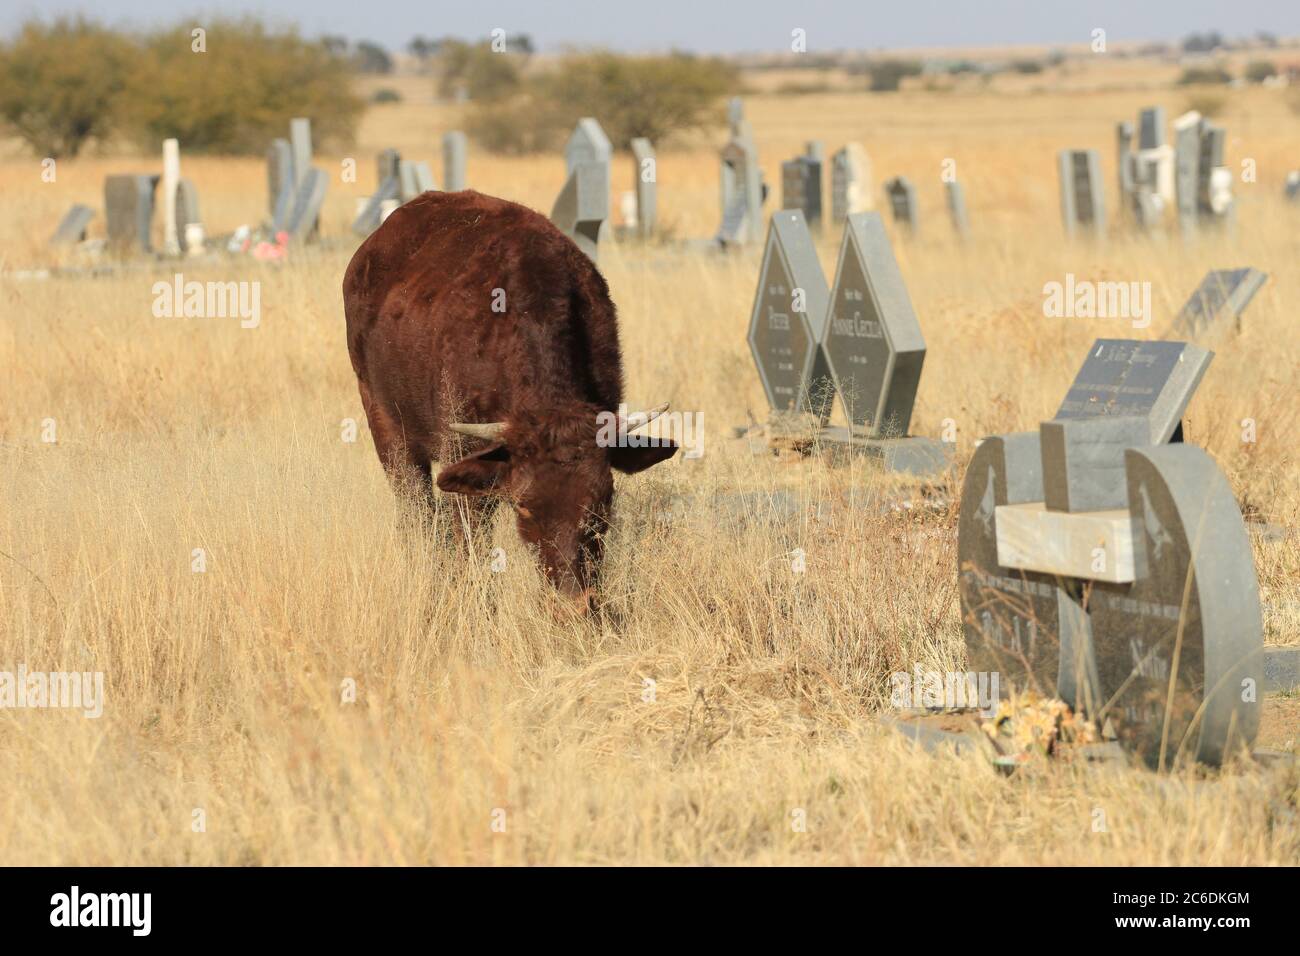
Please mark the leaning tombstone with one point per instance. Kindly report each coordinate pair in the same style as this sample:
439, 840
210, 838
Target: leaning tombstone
874, 351
1105, 562
801, 188
72, 228
741, 193
646, 173
851, 190
304, 218
414, 178
785, 326
1217, 305
128, 211
453, 161
582, 208
280, 182
372, 213
902, 202
956, 194
1083, 205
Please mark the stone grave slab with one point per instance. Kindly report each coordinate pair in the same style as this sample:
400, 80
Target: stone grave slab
1151, 127
956, 195
902, 202
645, 175
171, 177
300, 145
372, 213
72, 227
1124, 159
387, 164
1153, 380
741, 182
128, 211
785, 324
582, 208
1217, 304
454, 149
186, 206
1083, 204
1187, 161
801, 188
280, 182
308, 199
850, 183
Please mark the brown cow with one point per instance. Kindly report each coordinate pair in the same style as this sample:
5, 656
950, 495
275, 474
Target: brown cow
465, 305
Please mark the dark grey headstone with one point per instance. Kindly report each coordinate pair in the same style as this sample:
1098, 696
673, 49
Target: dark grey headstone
1153, 380
1083, 204
1217, 304
72, 228
801, 188
454, 148
902, 202
782, 337
872, 341
957, 208
128, 211
304, 218
1083, 460
1151, 128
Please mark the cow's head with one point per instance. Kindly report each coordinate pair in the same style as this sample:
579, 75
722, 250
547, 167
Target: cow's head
555, 469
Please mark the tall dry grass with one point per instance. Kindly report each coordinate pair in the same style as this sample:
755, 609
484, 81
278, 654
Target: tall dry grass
725, 694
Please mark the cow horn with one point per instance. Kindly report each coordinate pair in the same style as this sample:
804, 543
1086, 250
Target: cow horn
492, 431
637, 419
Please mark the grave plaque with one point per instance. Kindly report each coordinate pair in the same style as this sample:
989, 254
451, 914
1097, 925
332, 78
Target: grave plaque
1083, 204
1151, 128
280, 182
873, 343
741, 193
956, 194
300, 143
72, 228
902, 202
582, 208
850, 183
646, 174
307, 202
454, 148
1153, 380
786, 321
128, 211
801, 188
1217, 303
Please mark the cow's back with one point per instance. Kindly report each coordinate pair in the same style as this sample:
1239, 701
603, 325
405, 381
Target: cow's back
466, 306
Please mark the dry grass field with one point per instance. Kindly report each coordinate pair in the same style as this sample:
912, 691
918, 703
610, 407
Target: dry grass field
486, 730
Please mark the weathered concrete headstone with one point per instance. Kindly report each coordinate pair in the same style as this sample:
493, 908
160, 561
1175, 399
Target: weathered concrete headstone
171, 177
1187, 163
1217, 304
128, 211
736, 122
1125, 160
801, 188
851, 190
189, 224
387, 164
587, 146
280, 182
372, 213
1216, 206
72, 228
956, 195
1143, 612
1151, 128
454, 148
902, 202
300, 143
644, 169
582, 208
742, 193
1083, 205
414, 178
304, 217
785, 324
815, 149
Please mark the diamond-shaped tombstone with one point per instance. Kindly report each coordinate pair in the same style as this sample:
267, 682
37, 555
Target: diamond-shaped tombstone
873, 342
786, 322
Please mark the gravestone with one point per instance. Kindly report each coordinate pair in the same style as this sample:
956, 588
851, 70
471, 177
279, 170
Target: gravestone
1143, 613
308, 198
1125, 160
1217, 304
372, 213
645, 173
1292, 186
387, 164
815, 149
1151, 128
454, 148
1215, 204
736, 122
741, 193
801, 188
902, 202
1083, 205
850, 183
874, 351
582, 208
72, 228
280, 182
786, 322
128, 211
300, 144
588, 146
189, 224
414, 178
171, 177
1187, 162
956, 195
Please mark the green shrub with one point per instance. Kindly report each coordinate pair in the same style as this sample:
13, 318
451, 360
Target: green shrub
1257, 71
1204, 76
59, 84
473, 71
386, 94
886, 75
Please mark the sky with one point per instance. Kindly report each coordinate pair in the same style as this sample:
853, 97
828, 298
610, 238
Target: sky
717, 26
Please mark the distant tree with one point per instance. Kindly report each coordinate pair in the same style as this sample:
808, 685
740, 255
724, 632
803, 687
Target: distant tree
422, 48
370, 57
1204, 75
59, 84
886, 75
338, 45
386, 94
1203, 42
1027, 66
475, 71
1257, 71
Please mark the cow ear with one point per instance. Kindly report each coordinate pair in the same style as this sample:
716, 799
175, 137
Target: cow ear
482, 473
631, 460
